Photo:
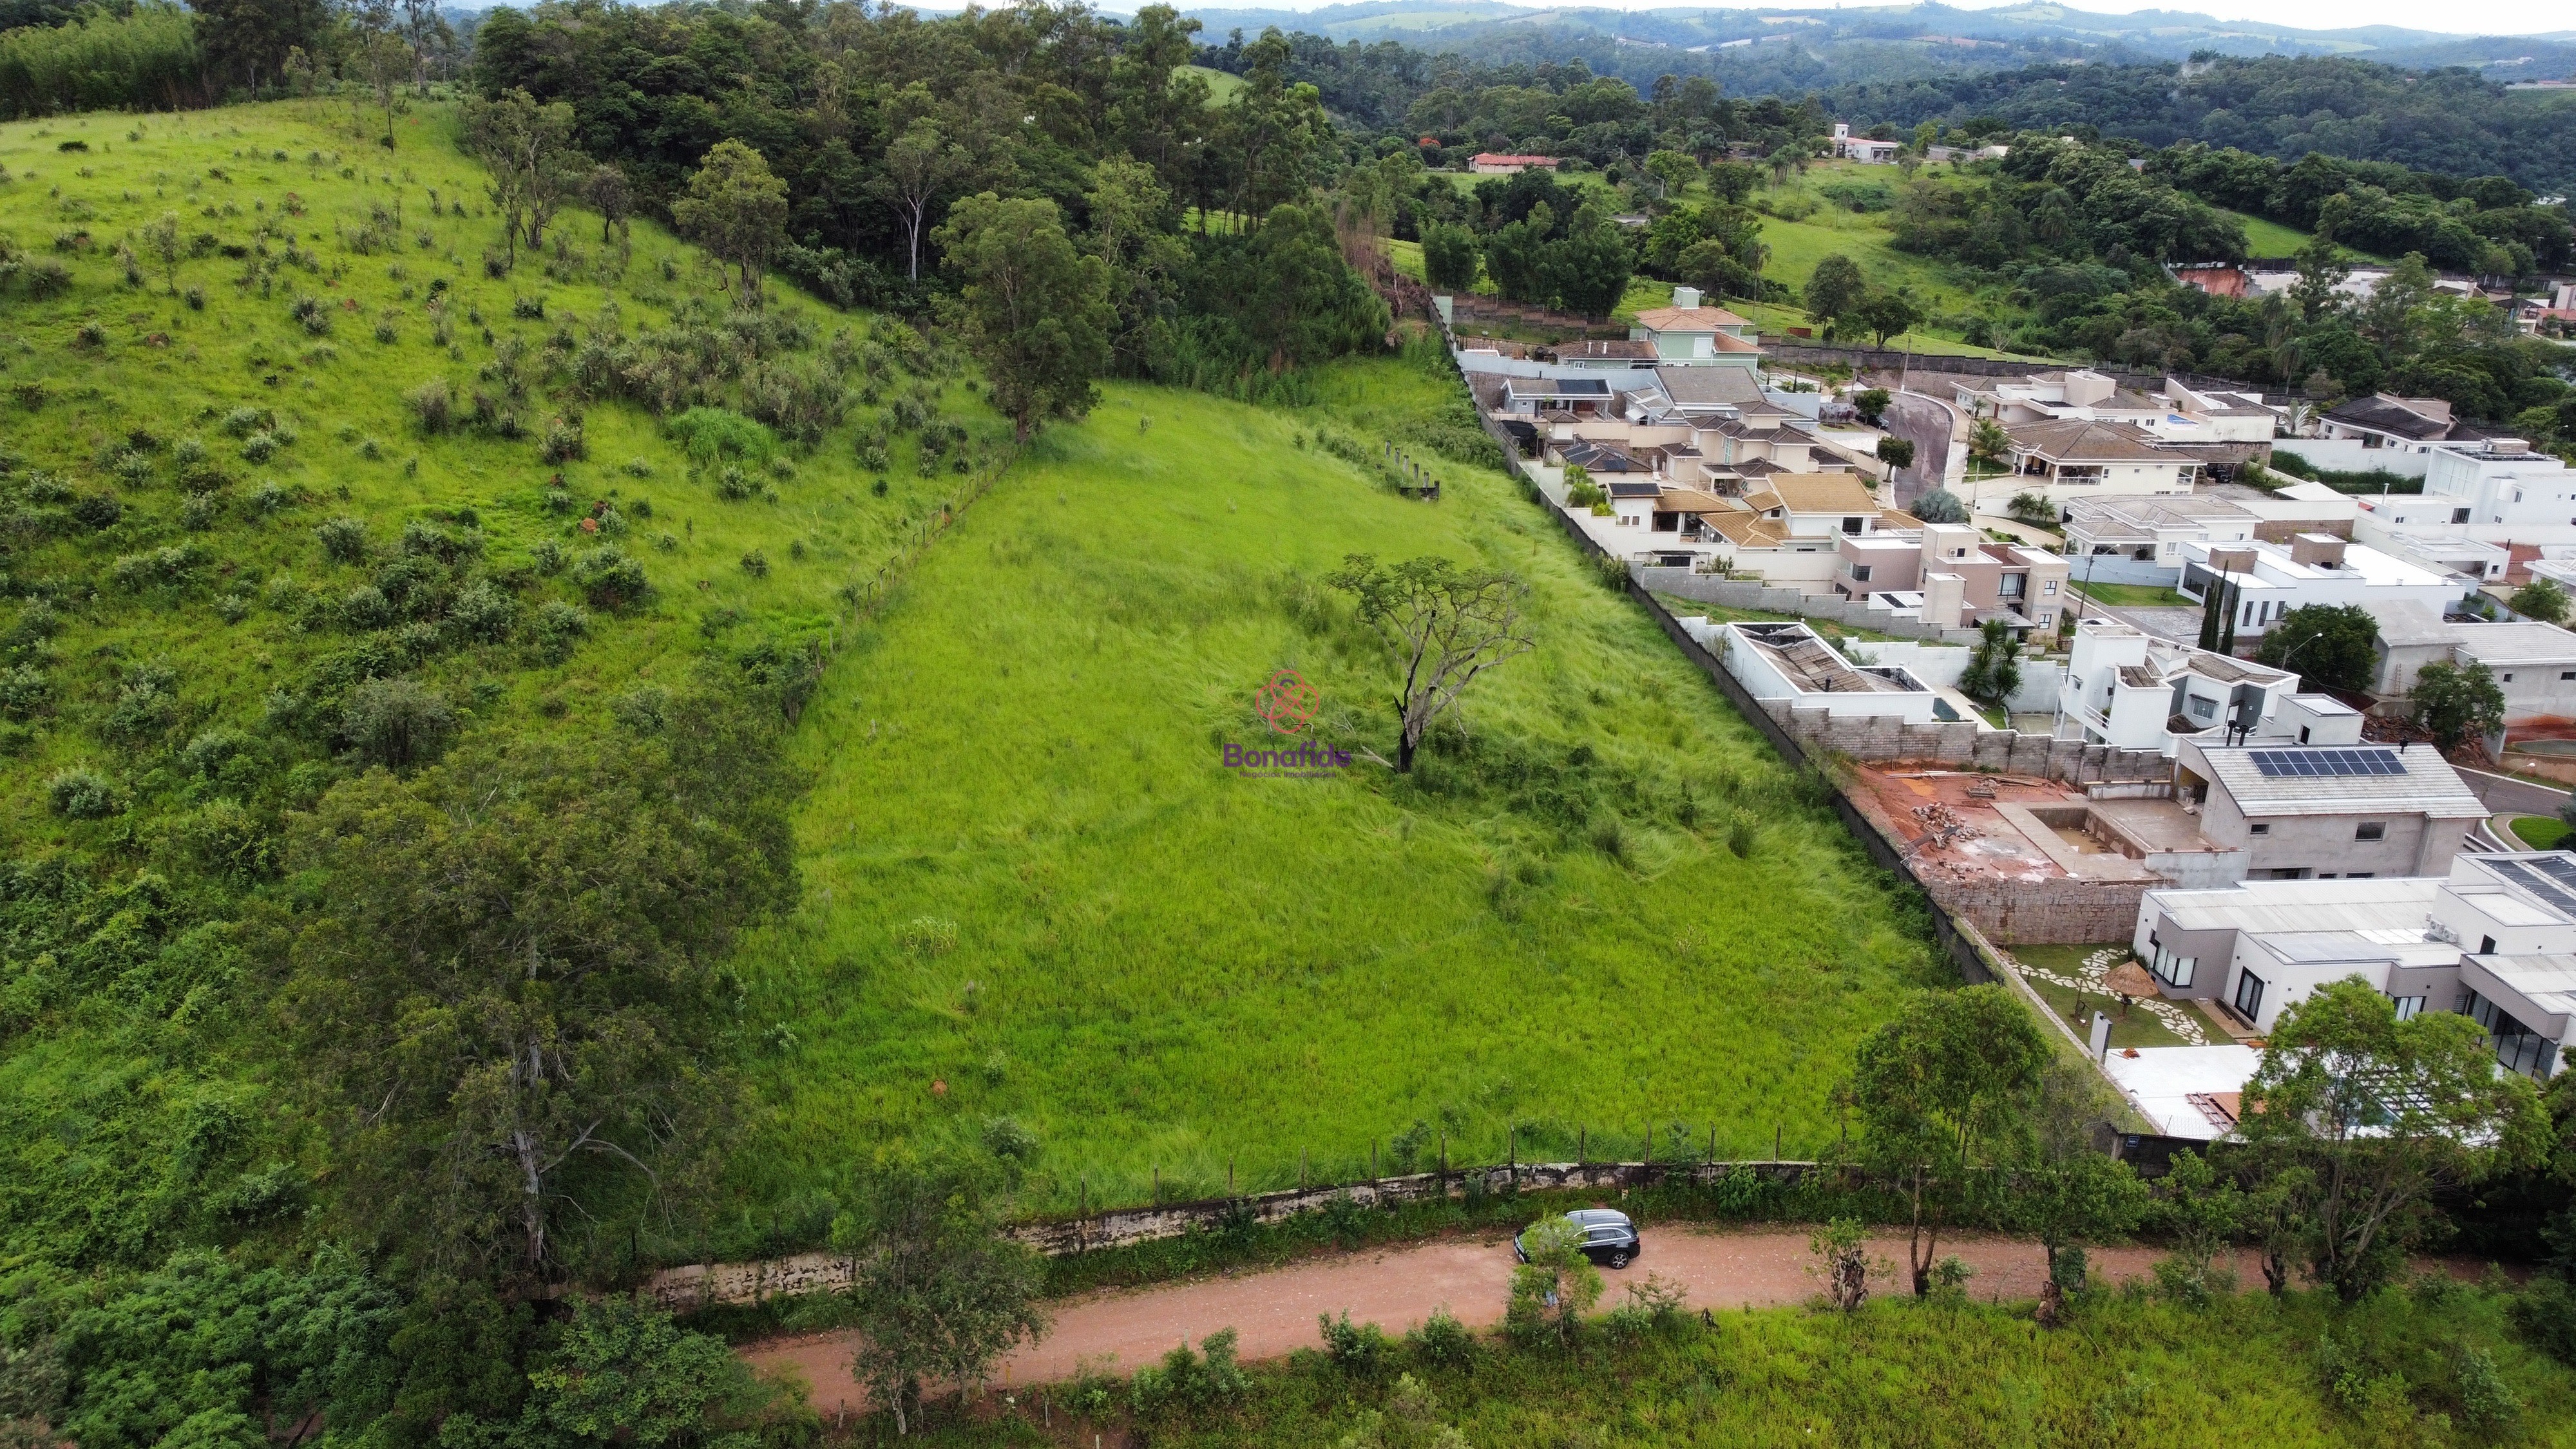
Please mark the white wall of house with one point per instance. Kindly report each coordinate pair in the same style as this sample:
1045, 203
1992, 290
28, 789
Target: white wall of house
2348, 455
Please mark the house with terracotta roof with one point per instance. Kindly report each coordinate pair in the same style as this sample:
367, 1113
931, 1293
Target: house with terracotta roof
2073, 458
1494, 163
1689, 334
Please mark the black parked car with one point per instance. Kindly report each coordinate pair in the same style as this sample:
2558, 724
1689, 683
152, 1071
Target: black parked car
1609, 1238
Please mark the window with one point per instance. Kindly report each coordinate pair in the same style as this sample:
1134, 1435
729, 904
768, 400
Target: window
2173, 969
2048, 590
2047, 617
2203, 708
2408, 1007
1860, 573
2259, 827
2303, 734
1851, 525
2459, 515
2565, 674
2486, 945
2508, 674
2371, 830
2249, 995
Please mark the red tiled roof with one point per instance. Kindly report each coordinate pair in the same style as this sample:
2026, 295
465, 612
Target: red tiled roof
1490, 158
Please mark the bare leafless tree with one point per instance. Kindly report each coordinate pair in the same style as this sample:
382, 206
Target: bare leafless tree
1444, 624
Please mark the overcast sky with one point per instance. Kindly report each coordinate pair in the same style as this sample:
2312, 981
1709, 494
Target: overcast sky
2481, 17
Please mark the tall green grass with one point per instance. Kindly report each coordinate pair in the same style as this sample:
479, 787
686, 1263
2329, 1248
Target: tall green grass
145, 59
2409, 1367
1034, 891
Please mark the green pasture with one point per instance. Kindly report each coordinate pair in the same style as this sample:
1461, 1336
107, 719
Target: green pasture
1034, 891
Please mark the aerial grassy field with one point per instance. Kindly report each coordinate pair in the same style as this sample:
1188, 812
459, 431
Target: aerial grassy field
1035, 892
223, 515
1031, 889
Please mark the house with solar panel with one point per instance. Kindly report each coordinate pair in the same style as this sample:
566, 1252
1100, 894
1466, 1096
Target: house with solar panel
2305, 812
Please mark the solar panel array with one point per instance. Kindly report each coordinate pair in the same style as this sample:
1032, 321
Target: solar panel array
2327, 762
2550, 877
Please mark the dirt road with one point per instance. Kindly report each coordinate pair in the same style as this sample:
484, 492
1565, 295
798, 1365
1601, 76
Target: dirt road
1275, 1311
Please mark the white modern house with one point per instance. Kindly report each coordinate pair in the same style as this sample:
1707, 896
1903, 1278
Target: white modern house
2124, 687
2139, 540
2492, 937
2533, 663
2266, 580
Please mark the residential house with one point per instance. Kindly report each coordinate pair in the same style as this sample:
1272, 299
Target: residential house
1490, 163
2533, 663
2044, 397
1862, 148
2305, 811
1687, 334
2387, 421
2290, 936
1951, 576
2265, 580
2069, 459
2412, 634
2482, 495
1786, 661
1602, 354
1559, 397
2140, 539
2492, 937
2126, 688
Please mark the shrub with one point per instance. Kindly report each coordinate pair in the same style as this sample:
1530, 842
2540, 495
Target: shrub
1360, 1350
558, 628
434, 404
366, 607
259, 447
344, 540
482, 612
564, 442
313, 313
80, 793
161, 567
532, 309
268, 498
23, 692
1940, 505
756, 564
200, 512
713, 435
98, 511
1442, 1341
2545, 1314
91, 335
547, 556
610, 578
396, 723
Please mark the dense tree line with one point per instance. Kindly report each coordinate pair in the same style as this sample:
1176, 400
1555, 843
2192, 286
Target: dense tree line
2450, 121
2081, 238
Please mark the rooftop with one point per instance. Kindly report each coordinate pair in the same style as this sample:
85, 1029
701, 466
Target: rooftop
2515, 643
2076, 440
2421, 419
2392, 903
1689, 319
2276, 780
1818, 493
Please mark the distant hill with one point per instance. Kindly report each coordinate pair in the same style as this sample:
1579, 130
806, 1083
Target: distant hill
1774, 49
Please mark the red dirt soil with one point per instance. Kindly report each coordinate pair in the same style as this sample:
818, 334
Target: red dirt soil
1275, 1311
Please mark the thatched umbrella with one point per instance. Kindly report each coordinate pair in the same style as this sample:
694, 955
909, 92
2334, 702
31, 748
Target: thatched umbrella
2129, 982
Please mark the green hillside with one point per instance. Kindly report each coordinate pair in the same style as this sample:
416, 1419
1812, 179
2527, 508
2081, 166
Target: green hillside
236, 558
234, 536
1035, 892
